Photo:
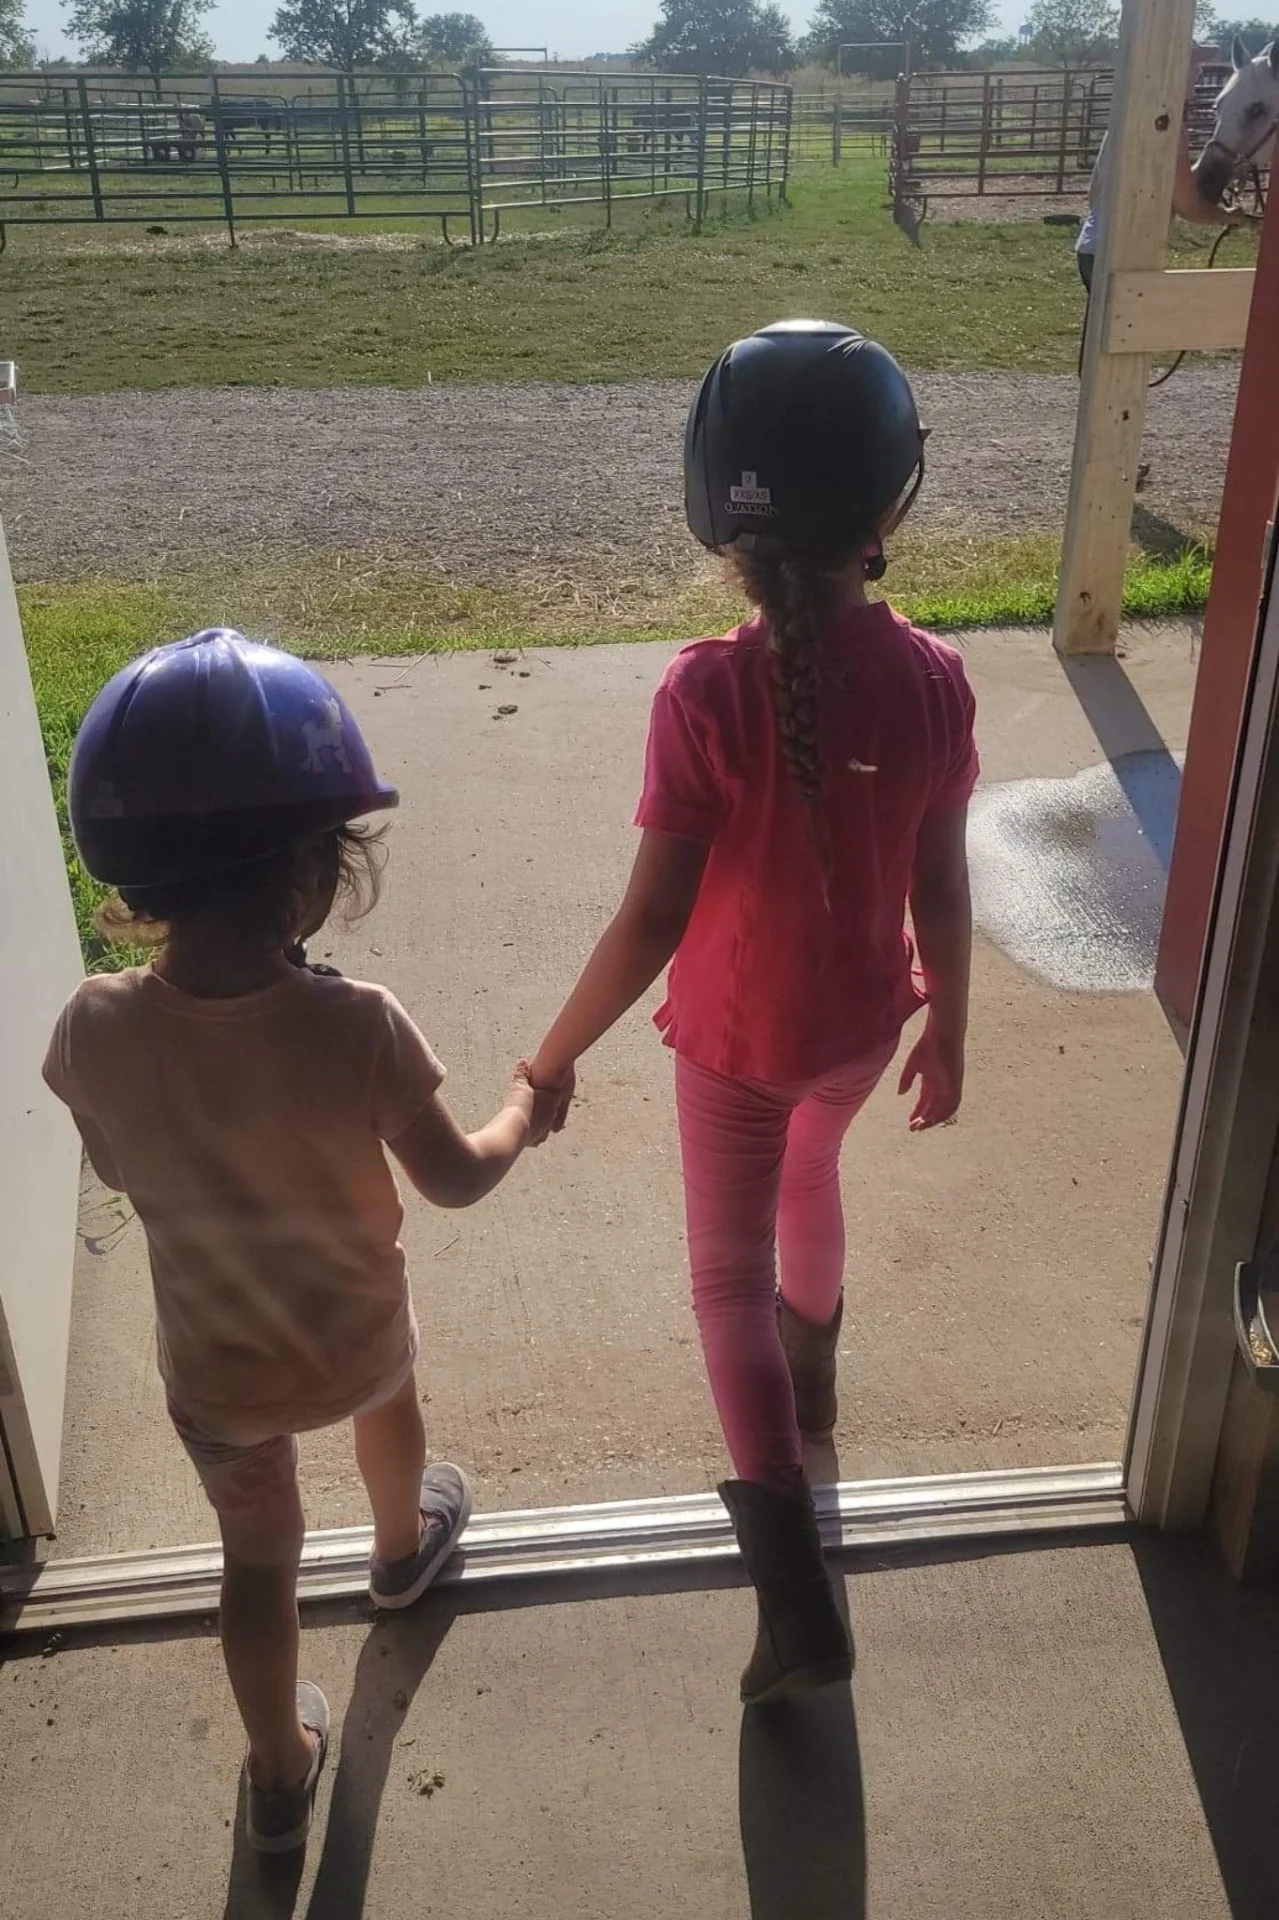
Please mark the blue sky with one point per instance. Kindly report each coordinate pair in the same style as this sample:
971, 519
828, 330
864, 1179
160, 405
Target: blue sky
570, 28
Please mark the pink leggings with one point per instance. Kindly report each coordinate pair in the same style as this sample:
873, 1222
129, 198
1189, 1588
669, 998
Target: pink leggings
761, 1174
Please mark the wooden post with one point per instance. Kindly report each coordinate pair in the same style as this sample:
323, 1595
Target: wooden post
900, 162
345, 129
983, 138
1064, 143
1145, 126
702, 110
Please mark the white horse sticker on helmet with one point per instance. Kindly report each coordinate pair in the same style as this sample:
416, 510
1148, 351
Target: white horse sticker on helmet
321, 740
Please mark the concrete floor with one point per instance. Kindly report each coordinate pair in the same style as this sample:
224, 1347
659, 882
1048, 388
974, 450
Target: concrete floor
997, 1271
1084, 1733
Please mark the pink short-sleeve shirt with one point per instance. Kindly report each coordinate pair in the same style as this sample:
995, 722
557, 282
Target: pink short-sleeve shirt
785, 973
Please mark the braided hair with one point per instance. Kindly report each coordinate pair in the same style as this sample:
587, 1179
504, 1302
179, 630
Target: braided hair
796, 594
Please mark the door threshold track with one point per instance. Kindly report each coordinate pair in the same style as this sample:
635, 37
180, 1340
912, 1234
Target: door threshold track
611, 1541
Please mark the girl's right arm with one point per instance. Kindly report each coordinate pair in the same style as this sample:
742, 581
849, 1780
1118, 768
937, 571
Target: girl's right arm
455, 1169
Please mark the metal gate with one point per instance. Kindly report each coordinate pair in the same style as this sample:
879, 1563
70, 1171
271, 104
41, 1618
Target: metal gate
460, 149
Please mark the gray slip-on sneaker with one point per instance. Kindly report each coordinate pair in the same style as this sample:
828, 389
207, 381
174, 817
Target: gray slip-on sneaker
278, 1819
446, 1508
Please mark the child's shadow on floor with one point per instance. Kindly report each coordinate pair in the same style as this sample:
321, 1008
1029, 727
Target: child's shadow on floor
393, 1662
800, 1802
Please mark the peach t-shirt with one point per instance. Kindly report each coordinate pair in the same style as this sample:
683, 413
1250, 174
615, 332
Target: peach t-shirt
248, 1134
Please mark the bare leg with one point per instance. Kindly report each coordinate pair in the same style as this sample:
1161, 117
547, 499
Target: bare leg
259, 1624
390, 1451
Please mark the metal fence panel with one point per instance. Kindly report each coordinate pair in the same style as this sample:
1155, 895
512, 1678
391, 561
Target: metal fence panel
1011, 133
843, 119
466, 148
568, 139
1004, 134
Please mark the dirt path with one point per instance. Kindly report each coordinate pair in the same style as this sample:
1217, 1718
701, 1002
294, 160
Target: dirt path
476, 477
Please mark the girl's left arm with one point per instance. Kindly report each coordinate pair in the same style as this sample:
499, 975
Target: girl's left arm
638, 942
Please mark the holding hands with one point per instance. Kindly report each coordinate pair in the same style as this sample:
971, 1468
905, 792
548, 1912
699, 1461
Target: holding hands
549, 1094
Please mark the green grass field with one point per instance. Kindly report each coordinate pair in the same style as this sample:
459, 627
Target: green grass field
98, 309
332, 606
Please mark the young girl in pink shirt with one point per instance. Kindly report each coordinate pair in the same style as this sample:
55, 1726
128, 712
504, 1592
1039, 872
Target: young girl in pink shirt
244, 1102
807, 776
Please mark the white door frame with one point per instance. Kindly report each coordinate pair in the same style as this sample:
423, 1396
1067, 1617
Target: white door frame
1225, 1133
39, 1146
1226, 1126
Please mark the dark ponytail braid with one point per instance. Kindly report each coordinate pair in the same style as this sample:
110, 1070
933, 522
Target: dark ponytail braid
796, 596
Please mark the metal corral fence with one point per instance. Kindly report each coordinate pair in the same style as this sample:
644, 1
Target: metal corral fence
462, 149
1010, 133
596, 138
831, 122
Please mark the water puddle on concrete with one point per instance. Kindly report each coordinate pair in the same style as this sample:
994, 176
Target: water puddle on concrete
1068, 876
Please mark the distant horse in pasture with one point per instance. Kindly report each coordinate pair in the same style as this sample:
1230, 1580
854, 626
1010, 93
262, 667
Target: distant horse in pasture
663, 122
233, 118
175, 135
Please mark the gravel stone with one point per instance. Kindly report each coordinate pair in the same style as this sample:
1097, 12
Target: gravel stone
474, 479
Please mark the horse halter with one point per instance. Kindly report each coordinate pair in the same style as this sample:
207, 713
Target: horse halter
1239, 162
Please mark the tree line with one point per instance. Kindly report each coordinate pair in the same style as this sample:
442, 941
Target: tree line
163, 36
727, 37
869, 36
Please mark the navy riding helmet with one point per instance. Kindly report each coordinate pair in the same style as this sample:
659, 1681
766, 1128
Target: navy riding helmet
802, 436
211, 753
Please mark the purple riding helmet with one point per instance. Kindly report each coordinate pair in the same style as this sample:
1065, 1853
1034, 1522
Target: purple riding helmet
211, 753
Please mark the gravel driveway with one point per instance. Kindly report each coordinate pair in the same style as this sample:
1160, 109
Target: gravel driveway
474, 478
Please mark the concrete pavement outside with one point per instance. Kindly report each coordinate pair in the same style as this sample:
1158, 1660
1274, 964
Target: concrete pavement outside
997, 1270
1070, 1733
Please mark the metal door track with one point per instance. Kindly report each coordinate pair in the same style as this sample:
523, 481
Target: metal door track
617, 1540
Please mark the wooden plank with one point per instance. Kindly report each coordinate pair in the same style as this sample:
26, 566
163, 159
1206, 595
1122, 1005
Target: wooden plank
1204, 310
1145, 120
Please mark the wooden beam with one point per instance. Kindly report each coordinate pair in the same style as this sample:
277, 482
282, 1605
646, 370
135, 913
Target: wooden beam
1201, 310
1151, 74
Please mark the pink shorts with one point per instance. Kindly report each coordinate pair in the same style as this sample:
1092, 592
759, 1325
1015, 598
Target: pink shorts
254, 1490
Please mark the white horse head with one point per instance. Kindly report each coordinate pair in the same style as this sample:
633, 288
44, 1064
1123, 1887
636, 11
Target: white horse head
1243, 134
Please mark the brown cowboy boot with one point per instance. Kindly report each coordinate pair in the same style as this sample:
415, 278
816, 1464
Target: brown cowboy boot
802, 1641
810, 1355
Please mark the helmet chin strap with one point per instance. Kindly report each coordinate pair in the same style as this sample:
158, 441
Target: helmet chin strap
874, 561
